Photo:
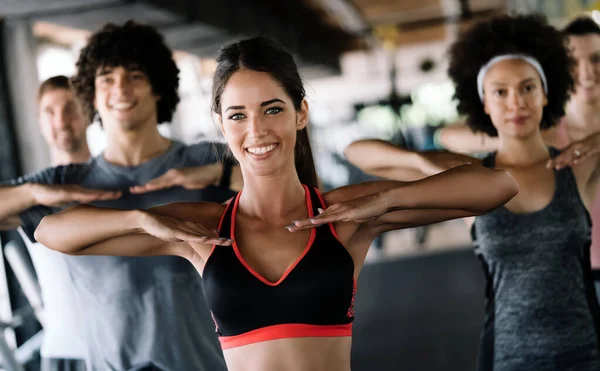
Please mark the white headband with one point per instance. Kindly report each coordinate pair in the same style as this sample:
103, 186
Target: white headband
532, 61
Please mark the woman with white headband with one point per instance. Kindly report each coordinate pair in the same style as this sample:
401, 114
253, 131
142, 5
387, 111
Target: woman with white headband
513, 78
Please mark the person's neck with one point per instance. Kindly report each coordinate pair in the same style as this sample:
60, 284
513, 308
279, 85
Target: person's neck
584, 116
132, 148
58, 157
522, 152
272, 198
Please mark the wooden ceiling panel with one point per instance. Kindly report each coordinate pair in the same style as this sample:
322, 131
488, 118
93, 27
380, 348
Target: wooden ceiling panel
397, 11
405, 4
423, 35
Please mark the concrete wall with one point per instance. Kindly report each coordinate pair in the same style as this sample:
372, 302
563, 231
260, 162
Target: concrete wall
20, 59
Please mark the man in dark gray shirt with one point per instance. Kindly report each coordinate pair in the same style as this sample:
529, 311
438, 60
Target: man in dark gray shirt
135, 313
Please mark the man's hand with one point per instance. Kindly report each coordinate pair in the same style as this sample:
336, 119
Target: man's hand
187, 177
63, 195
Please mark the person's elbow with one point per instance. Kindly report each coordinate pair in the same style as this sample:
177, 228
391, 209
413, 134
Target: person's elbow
504, 188
45, 233
355, 154
41, 233
349, 151
508, 184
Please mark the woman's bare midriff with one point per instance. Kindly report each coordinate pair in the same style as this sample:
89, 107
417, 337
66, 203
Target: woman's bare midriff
296, 354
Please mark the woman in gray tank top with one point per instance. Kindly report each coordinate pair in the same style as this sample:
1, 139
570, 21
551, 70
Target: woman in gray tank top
513, 77
542, 311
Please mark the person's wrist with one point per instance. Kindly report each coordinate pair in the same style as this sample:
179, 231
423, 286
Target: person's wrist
32, 191
386, 198
136, 220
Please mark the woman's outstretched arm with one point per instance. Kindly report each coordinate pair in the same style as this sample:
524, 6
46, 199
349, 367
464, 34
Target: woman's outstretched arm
466, 190
88, 230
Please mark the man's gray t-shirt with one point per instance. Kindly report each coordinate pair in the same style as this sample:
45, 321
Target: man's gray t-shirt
140, 312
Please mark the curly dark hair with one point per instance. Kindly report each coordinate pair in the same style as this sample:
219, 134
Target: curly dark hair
581, 26
132, 46
510, 34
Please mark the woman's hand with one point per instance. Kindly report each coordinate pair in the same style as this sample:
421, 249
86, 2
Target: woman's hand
175, 230
359, 210
576, 153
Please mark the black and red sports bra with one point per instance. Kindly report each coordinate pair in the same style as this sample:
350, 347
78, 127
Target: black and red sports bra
313, 298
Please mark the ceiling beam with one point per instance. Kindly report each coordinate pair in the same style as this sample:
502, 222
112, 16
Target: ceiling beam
291, 22
93, 18
36, 9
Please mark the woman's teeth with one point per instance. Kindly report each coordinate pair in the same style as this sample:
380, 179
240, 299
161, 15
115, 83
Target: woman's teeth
261, 150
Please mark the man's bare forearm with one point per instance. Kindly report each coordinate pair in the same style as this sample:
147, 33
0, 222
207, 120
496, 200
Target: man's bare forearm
459, 138
383, 159
16, 199
78, 227
376, 153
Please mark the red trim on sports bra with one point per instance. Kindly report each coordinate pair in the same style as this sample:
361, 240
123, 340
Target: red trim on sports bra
330, 224
313, 234
350, 312
285, 331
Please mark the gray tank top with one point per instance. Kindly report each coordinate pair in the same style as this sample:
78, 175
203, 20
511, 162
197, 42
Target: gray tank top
542, 312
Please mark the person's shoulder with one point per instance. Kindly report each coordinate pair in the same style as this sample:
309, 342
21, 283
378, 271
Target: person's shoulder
79, 166
204, 152
61, 174
205, 144
75, 173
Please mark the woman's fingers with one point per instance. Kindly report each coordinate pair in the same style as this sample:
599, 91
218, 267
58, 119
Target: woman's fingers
293, 228
336, 213
219, 241
194, 232
570, 156
202, 238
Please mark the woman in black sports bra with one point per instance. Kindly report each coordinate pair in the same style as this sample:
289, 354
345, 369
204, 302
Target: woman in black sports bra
280, 300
